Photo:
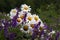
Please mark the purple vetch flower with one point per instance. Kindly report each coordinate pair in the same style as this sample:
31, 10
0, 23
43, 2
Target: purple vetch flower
50, 29
51, 38
41, 33
6, 25
35, 31
5, 32
24, 19
6, 29
14, 20
38, 24
3, 21
1, 28
12, 36
33, 35
25, 16
45, 26
57, 35
47, 38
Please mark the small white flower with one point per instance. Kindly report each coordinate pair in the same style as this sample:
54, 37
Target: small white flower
7, 14
53, 32
45, 30
13, 13
3, 25
25, 7
49, 33
42, 36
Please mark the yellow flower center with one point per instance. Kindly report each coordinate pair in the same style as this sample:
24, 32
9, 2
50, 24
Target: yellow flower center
25, 27
36, 18
22, 16
18, 19
29, 18
14, 11
41, 28
25, 8
32, 25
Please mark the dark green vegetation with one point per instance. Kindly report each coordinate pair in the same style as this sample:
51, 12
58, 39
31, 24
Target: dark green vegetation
48, 10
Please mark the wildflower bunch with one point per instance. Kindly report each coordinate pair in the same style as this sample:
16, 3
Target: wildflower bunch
30, 24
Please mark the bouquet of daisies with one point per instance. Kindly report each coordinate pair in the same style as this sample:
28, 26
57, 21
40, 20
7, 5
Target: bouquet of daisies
27, 23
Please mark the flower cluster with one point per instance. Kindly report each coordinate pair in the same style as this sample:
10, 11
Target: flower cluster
26, 19
30, 24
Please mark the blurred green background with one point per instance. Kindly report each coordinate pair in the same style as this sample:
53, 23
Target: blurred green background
48, 10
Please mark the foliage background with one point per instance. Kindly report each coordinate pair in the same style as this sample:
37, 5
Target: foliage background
48, 10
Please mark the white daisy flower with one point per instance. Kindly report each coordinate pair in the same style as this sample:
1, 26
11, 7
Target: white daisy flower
13, 12
25, 28
25, 7
21, 14
29, 17
31, 24
19, 20
42, 24
37, 19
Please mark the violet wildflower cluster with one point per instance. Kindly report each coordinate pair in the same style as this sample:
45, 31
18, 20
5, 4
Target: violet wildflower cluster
30, 24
